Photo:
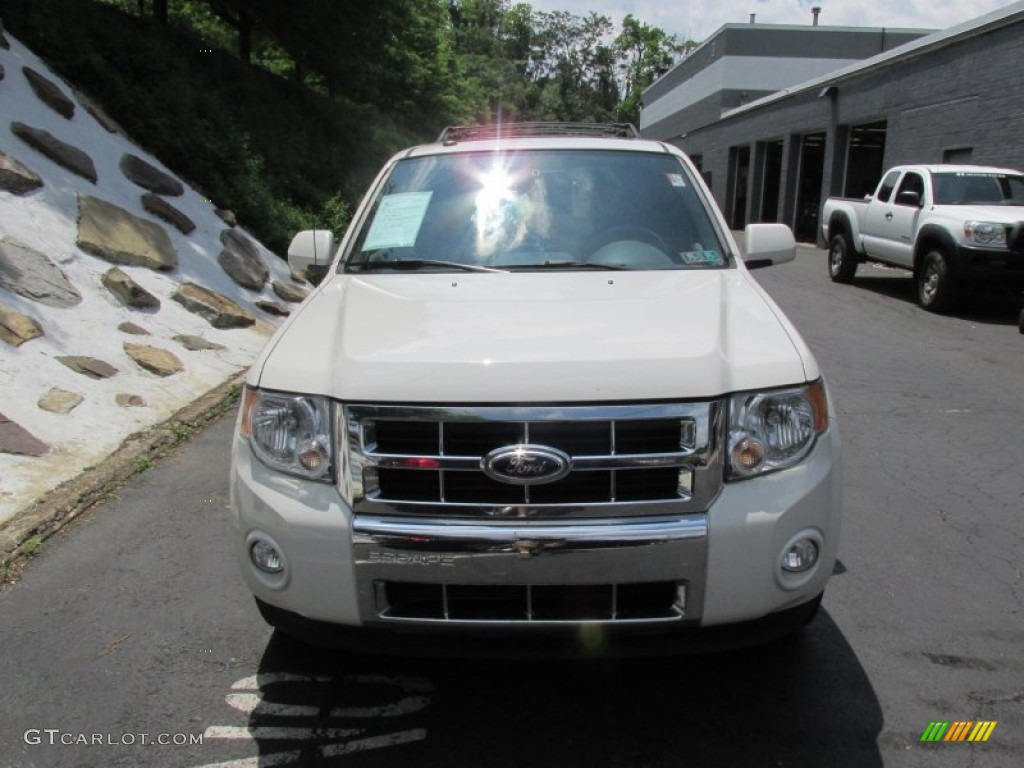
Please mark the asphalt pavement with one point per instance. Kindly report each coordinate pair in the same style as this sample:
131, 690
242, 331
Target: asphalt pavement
133, 624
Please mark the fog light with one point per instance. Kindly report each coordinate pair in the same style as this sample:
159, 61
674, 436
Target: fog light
747, 455
266, 557
801, 555
312, 456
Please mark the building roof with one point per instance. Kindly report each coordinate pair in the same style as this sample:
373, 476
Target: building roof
816, 42
996, 19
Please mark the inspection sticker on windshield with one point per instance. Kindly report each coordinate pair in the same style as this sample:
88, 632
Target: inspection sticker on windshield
676, 179
702, 258
398, 221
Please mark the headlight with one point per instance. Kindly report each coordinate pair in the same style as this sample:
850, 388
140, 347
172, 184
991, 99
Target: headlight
291, 433
985, 233
774, 429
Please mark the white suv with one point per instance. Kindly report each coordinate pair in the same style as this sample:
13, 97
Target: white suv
538, 394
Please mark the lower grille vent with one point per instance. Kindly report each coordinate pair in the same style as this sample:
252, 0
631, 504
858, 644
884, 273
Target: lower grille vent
570, 603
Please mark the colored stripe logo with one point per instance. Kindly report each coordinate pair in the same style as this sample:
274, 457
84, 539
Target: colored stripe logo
959, 730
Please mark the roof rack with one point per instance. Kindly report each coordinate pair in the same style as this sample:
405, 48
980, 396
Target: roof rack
455, 133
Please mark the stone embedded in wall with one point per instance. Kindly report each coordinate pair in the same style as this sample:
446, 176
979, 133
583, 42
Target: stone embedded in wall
219, 310
130, 293
153, 359
161, 208
126, 400
31, 274
65, 155
147, 176
117, 236
16, 328
132, 328
242, 261
298, 277
106, 121
289, 292
16, 439
16, 178
228, 217
59, 400
197, 343
49, 93
273, 308
88, 366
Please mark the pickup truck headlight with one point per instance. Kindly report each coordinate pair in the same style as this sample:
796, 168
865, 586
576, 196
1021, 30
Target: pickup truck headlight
774, 429
985, 233
290, 433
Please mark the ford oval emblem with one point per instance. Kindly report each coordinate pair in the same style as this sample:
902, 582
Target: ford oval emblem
526, 464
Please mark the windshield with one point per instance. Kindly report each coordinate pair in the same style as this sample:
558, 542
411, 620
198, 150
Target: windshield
978, 188
537, 210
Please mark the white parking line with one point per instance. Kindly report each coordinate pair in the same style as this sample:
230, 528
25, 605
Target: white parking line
257, 681
259, 732
249, 703
401, 707
375, 742
248, 698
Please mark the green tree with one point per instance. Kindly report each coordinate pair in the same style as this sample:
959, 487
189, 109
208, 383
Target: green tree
644, 53
574, 66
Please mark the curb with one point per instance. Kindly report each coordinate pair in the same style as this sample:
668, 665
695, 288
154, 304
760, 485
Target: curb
22, 534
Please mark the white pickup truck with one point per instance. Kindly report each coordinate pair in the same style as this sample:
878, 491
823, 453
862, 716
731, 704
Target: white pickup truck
953, 225
537, 395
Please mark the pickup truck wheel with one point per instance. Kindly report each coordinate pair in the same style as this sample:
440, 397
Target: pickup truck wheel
842, 262
937, 291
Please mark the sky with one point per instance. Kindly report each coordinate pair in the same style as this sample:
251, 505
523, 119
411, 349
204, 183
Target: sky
698, 19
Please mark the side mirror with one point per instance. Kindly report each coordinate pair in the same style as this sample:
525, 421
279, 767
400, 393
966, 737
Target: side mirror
909, 197
768, 244
311, 249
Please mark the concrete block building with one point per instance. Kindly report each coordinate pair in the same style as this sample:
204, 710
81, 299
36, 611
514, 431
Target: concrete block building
778, 118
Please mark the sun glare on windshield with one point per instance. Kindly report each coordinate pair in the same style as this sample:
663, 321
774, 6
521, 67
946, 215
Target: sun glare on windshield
495, 188
504, 212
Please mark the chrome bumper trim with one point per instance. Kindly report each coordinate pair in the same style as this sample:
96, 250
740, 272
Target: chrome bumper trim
452, 537
529, 555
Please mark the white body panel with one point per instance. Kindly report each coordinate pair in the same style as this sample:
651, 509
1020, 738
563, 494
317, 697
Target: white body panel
536, 337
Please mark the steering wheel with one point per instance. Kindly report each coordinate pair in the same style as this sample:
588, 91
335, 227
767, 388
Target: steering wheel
625, 233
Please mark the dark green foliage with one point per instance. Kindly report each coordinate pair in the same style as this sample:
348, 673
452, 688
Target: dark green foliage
282, 111
280, 155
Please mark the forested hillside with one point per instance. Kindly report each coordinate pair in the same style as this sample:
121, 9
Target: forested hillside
282, 111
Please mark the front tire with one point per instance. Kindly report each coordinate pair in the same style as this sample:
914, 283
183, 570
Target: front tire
937, 290
842, 261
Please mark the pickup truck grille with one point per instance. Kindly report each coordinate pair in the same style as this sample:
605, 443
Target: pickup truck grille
623, 460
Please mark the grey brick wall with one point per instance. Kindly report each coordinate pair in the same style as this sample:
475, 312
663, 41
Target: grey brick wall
969, 93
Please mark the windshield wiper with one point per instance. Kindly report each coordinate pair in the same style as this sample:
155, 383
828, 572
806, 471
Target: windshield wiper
570, 265
411, 265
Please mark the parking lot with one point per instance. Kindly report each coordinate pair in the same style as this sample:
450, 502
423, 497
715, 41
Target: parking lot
135, 622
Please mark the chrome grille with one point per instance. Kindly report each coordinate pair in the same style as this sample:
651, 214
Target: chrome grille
625, 460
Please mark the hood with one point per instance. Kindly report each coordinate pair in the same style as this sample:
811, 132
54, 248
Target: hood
529, 337
1004, 214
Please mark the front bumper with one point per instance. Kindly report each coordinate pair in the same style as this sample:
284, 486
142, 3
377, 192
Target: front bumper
724, 563
982, 266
